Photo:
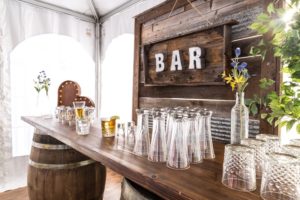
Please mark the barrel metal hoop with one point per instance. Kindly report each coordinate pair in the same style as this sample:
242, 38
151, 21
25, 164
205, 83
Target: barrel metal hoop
50, 146
39, 132
61, 166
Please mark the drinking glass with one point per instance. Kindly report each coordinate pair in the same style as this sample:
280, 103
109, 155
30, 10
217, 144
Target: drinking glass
239, 167
70, 116
158, 149
193, 139
272, 142
295, 142
108, 127
79, 106
292, 149
281, 177
207, 148
141, 147
120, 137
259, 147
178, 152
130, 137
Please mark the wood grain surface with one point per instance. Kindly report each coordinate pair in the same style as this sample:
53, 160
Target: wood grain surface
202, 181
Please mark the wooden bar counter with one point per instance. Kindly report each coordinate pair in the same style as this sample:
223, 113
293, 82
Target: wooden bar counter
201, 181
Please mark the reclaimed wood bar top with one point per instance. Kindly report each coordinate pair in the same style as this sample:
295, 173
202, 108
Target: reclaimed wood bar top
199, 182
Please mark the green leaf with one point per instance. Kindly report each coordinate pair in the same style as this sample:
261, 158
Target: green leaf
270, 120
290, 124
298, 128
271, 8
263, 115
254, 109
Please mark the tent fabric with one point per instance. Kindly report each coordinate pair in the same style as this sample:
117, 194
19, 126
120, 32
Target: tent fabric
18, 22
117, 40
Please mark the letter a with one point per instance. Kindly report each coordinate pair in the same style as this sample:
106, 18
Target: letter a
176, 61
160, 65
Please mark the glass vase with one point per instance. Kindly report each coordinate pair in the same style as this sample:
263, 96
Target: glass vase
239, 120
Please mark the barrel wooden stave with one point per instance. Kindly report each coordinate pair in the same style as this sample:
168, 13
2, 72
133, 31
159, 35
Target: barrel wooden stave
57, 174
133, 191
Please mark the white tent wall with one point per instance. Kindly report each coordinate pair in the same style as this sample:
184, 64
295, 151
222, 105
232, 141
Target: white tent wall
117, 48
18, 22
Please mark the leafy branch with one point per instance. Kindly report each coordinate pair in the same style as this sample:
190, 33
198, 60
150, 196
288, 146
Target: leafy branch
283, 109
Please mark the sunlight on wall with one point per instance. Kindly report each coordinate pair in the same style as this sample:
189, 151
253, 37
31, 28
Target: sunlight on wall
117, 78
63, 58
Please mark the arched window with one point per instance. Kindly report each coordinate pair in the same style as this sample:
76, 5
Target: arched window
62, 58
117, 77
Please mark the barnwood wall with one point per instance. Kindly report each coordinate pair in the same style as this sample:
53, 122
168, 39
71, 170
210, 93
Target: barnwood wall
156, 25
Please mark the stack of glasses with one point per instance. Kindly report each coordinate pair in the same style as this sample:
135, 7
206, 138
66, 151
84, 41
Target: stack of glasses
263, 158
78, 115
179, 136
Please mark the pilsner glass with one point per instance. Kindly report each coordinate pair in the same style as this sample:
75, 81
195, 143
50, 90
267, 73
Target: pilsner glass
281, 177
120, 137
178, 153
193, 139
207, 148
141, 147
158, 149
259, 147
130, 137
239, 168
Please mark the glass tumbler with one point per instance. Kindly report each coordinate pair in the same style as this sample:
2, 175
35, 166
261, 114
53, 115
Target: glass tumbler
295, 142
206, 144
281, 178
239, 167
130, 137
120, 137
178, 152
259, 147
292, 149
272, 142
158, 145
193, 139
141, 147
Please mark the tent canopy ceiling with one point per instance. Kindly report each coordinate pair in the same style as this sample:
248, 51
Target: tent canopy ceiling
82, 6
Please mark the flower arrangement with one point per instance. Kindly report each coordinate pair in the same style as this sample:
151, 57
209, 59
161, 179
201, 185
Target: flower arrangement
42, 82
239, 75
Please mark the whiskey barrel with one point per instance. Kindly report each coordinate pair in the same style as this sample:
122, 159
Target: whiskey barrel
133, 191
58, 172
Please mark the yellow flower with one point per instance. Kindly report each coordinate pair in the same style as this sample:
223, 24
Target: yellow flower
228, 79
224, 74
232, 84
240, 79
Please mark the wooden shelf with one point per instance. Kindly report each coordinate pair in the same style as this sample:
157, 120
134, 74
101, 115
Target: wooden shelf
201, 181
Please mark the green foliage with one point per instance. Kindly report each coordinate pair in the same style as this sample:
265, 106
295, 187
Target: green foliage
282, 110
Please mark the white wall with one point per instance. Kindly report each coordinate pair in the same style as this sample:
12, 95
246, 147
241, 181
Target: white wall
117, 47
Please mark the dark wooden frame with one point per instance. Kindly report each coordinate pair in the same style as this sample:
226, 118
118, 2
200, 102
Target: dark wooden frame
226, 49
270, 67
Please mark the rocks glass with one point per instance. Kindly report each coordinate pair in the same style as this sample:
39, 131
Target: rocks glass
272, 142
239, 167
259, 147
83, 123
281, 177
